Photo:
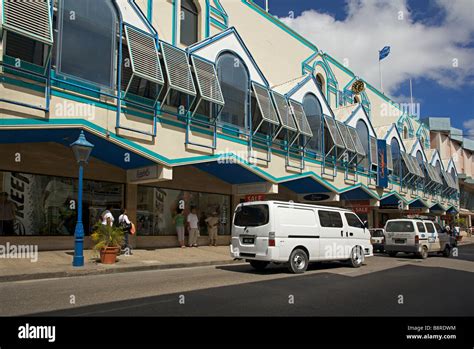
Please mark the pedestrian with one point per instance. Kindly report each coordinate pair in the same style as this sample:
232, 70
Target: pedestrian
107, 216
179, 225
126, 225
7, 215
212, 224
193, 229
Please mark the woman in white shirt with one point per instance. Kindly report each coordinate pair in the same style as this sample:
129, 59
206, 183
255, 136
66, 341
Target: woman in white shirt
107, 216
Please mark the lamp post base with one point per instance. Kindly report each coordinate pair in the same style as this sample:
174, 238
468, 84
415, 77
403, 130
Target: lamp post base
78, 260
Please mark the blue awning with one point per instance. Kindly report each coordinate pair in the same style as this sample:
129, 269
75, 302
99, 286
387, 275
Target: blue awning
103, 149
232, 173
359, 193
418, 203
306, 185
391, 201
437, 208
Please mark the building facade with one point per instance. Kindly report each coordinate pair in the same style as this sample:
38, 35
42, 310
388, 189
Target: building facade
456, 152
194, 103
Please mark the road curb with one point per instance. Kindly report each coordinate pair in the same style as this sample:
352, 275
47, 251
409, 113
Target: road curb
76, 273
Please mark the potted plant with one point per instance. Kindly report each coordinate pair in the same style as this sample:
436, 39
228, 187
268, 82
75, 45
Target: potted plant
108, 240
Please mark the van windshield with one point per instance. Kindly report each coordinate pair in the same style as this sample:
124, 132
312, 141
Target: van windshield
400, 227
251, 215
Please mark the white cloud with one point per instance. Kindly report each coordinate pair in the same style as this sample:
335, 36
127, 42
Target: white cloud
468, 130
417, 49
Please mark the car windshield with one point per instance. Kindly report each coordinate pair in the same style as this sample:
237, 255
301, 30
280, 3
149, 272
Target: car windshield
251, 215
376, 233
400, 227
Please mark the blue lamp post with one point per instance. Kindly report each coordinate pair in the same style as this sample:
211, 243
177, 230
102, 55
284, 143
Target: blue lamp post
81, 149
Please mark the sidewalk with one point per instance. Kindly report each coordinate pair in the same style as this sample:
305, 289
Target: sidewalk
54, 264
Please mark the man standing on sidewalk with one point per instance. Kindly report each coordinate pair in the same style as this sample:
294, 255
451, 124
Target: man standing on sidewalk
193, 229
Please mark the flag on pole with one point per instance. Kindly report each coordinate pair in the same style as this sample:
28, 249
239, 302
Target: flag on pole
384, 52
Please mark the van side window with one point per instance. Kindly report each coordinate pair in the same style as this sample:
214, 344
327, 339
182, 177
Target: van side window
330, 219
353, 220
438, 228
430, 228
421, 227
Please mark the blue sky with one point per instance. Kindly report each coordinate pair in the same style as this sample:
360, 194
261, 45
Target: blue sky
450, 93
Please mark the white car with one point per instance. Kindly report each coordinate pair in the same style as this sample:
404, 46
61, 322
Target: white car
284, 232
417, 236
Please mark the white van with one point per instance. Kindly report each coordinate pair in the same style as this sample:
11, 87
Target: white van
285, 232
416, 236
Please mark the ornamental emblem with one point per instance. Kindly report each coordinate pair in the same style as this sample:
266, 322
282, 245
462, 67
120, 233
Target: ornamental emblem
358, 86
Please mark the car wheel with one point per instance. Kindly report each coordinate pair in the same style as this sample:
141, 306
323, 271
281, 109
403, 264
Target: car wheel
298, 262
424, 252
392, 254
357, 257
258, 265
447, 251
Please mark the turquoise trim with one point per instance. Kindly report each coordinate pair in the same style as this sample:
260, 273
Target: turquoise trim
149, 11
174, 22
222, 22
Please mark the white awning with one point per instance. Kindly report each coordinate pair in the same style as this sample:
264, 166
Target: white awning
356, 139
346, 137
178, 71
207, 81
334, 133
373, 151
300, 118
282, 108
265, 105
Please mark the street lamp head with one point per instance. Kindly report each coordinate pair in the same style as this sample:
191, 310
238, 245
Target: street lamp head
82, 148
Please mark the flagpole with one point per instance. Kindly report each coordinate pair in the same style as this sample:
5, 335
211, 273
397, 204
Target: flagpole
380, 73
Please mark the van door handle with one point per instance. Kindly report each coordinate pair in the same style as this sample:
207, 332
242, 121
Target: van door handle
351, 234
342, 233
346, 233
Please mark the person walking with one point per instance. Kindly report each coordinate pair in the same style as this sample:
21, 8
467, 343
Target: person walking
212, 224
7, 215
193, 228
107, 216
126, 225
179, 225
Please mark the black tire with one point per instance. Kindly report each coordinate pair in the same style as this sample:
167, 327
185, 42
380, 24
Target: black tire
357, 257
447, 251
298, 262
392, 253
258, 265
424, 253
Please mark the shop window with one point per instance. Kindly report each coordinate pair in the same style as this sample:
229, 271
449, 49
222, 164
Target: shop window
43, 203
87, 40
314, 113
234, 79
156, 208
189, 22
396, 157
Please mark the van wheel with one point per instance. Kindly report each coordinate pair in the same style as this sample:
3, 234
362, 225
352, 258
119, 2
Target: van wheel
298, 262
392, 254
424, 252
357, 257
258, 265
447, 251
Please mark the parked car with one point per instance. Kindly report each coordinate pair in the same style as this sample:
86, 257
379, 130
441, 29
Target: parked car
377, 238
417, 236
265, 232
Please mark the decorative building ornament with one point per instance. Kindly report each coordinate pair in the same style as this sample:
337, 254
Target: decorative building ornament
358, 86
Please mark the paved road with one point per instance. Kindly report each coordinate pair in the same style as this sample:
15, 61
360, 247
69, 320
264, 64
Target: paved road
437, 286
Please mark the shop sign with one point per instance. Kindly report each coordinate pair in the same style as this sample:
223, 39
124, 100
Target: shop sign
254, 197
143, 174
382, 171
361, 209
318, 197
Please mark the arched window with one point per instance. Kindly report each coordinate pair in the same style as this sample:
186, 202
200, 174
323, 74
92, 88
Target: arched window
314, 113
419, 158
356, 100
423, 141
85, 27
405, 132
189, 22
234, 79
453, 174
396, 158
363, 132
320, 82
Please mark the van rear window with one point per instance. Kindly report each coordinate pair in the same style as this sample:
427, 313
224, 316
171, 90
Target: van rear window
400, 227
251, 215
